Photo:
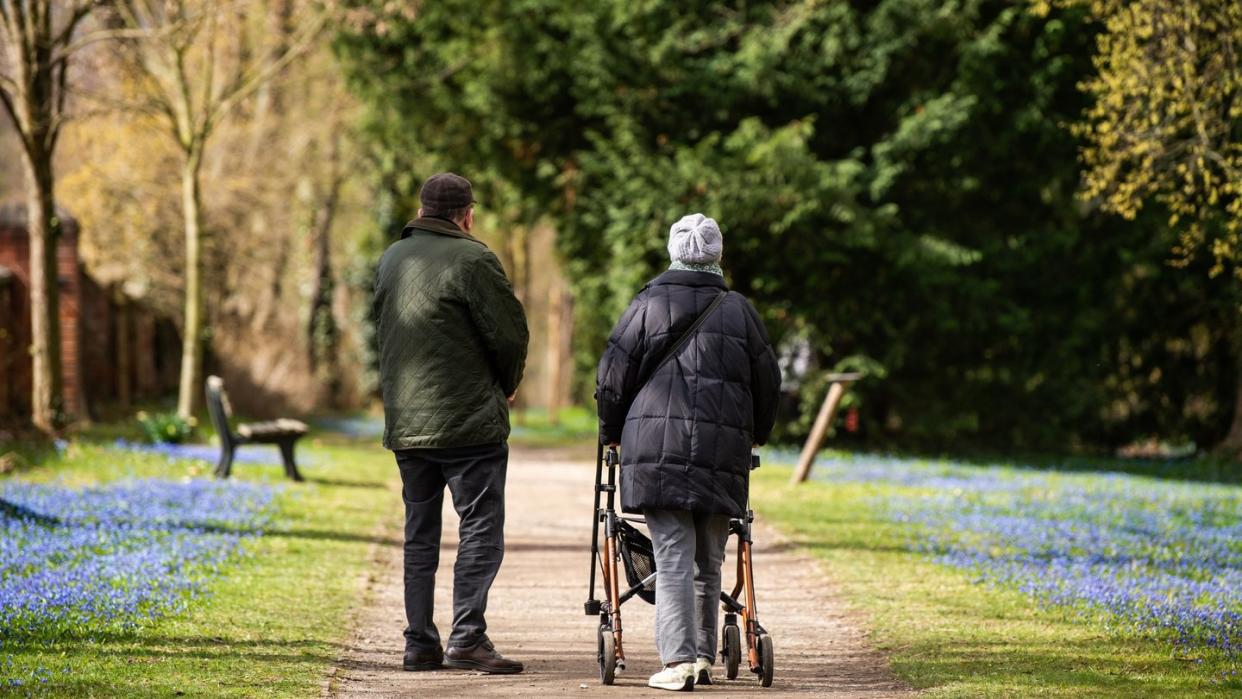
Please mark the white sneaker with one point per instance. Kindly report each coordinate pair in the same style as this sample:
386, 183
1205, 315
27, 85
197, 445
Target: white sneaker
702, 671
678, 678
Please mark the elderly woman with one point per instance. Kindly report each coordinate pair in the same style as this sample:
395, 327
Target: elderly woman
687, 386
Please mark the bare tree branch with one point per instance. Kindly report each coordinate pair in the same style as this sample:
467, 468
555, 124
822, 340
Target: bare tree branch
208, 86
183, 107
102, 35
6, 15
20, 35
80, 12
7, 101
247, 86
61, 80
27, 148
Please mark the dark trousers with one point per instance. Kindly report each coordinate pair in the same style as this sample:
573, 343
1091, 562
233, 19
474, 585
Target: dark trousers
475, 477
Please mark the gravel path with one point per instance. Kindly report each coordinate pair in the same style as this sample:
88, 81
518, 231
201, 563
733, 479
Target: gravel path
535, 612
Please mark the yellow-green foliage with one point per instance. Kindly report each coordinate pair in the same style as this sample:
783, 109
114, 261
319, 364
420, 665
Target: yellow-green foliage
1164, 124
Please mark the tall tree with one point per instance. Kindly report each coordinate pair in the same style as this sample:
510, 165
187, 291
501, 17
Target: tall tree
199, 60
321, 330
1166, 127
38, 40
893, 179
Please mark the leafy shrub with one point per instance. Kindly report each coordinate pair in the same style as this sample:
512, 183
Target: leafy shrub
166, 428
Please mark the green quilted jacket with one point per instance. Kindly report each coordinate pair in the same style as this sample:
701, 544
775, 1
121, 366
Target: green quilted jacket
452, 339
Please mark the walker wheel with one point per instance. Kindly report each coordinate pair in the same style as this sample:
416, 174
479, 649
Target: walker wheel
765, 660
607, 655
731, 651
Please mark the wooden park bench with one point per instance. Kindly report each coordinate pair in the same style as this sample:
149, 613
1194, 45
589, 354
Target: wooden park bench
282, 432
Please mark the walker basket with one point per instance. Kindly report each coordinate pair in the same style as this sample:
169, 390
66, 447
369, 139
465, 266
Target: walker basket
638, 558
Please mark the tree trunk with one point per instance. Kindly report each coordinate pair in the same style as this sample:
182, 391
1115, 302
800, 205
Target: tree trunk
321, 331
551, 352
517, 243
124, 390
192, 332
556, 360
1231, 446
47, 394
146, 377
268, 100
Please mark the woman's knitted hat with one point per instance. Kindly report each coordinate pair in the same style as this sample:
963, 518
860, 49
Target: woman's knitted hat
695, 240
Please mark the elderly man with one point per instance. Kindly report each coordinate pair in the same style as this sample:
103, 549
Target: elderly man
452, 347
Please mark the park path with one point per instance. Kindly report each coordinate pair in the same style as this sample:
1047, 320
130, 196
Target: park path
535, 611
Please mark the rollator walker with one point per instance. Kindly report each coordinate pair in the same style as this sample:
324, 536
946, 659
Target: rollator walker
627, 548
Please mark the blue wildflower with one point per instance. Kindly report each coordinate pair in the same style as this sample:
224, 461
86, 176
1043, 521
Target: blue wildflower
1154, 556
116, 555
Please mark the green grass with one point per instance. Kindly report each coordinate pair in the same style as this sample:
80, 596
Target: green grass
572, 426
946, 634
273, 622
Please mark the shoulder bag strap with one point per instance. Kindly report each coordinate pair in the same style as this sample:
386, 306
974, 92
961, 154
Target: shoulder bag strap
685, 337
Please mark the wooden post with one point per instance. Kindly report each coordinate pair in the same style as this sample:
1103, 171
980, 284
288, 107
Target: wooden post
837, 384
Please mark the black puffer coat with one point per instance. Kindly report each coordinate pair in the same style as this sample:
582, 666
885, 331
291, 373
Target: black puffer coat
686, 435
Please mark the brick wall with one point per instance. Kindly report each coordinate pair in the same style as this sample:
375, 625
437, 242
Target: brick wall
91, 318
15, 352
70, 278
9, 343
15, 255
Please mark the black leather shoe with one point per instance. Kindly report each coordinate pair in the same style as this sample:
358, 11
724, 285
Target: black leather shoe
418, 661
481, 657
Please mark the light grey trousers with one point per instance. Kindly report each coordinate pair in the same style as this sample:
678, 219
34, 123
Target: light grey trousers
689, 549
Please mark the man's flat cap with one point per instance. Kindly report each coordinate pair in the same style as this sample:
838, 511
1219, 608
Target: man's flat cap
446, 191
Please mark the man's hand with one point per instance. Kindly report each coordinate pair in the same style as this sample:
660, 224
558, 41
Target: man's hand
512, 398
